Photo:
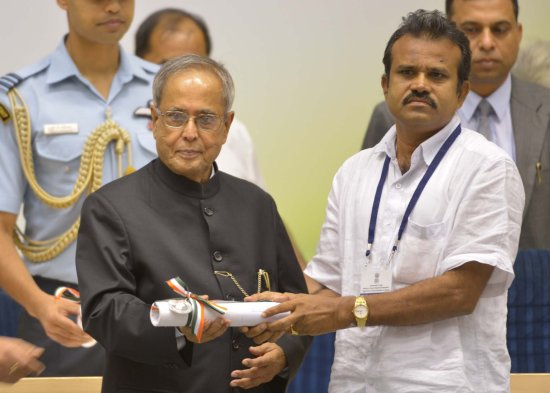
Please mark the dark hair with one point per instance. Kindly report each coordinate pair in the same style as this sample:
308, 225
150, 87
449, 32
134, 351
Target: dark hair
144, 31
449, 8
433, 25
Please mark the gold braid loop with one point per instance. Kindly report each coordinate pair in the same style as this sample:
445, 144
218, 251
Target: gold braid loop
89, 178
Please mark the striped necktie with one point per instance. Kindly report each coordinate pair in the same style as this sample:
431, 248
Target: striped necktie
484, 110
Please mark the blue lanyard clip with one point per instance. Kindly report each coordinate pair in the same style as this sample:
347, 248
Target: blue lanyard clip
393, 251
369, 246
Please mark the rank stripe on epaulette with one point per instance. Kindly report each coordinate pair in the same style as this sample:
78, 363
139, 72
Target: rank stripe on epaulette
6, 83
10, 80
14, 78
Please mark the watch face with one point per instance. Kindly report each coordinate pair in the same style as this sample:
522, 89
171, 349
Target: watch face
360, 311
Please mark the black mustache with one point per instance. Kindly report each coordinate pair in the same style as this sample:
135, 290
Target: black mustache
424, 97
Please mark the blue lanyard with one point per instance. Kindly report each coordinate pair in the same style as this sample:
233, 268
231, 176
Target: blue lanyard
416, 195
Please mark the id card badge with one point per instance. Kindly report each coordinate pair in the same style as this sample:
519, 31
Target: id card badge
376, 278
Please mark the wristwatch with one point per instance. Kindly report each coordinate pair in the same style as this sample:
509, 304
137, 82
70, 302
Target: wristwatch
361, 311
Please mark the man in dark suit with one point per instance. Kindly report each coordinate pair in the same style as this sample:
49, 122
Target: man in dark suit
518, 118
180, 216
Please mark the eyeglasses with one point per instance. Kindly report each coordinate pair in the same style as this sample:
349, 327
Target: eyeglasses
206, 122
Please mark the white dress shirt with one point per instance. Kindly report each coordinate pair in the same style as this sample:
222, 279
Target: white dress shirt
470, 210
500, 122
237, 156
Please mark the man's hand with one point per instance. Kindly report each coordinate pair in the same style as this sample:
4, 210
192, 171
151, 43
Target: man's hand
311, 314
268, 296
260, 333
54, 315
270, 360
18, 359
212, 330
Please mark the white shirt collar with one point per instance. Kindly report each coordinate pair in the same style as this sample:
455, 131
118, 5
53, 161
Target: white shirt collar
428, 149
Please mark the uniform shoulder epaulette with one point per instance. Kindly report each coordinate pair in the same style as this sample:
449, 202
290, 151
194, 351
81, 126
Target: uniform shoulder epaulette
11, 80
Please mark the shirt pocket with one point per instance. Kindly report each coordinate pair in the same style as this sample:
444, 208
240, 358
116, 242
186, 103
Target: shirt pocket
57, 161
419, 251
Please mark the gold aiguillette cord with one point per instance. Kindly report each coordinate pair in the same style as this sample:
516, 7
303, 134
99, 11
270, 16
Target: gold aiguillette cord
262, 275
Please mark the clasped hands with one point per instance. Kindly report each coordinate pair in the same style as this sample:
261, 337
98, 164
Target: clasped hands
268, 359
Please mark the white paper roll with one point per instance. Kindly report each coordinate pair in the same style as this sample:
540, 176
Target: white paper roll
174, 312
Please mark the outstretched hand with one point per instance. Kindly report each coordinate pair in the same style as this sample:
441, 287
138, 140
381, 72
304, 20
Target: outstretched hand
260, 333
54, 317
18, 359
311, 314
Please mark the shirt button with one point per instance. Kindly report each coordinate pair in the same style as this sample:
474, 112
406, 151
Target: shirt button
398, 186
235, 345
67, 169
217, 256
208, 211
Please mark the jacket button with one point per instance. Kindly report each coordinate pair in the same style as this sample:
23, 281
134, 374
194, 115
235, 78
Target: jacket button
230, 297
217, 256
208, 211
235, 345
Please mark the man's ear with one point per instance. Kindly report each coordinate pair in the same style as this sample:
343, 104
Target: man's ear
154, 119
464, 90
227, 123
384, 82
62, 4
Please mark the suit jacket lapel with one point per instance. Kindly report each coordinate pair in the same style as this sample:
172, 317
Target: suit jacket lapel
530, 125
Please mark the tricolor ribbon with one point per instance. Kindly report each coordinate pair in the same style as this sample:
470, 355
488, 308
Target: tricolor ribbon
68, 294
198, 304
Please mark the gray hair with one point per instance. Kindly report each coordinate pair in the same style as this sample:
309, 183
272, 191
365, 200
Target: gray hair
194, 62
533, 63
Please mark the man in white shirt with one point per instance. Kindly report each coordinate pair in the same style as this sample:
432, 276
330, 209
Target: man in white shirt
508, 111
419, 239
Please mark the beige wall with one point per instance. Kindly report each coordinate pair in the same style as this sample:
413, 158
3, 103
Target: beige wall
307, 76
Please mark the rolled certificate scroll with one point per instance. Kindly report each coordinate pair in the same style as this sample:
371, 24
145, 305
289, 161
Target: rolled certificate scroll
192, 311
179, 312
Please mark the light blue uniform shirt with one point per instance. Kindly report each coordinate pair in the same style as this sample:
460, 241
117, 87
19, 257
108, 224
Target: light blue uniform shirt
56, 93
500, 121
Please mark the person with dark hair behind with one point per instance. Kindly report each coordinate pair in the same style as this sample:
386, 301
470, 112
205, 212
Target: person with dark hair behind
172, 32
420, 237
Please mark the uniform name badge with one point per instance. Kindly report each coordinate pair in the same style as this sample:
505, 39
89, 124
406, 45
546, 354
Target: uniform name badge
62, 128
376, 278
